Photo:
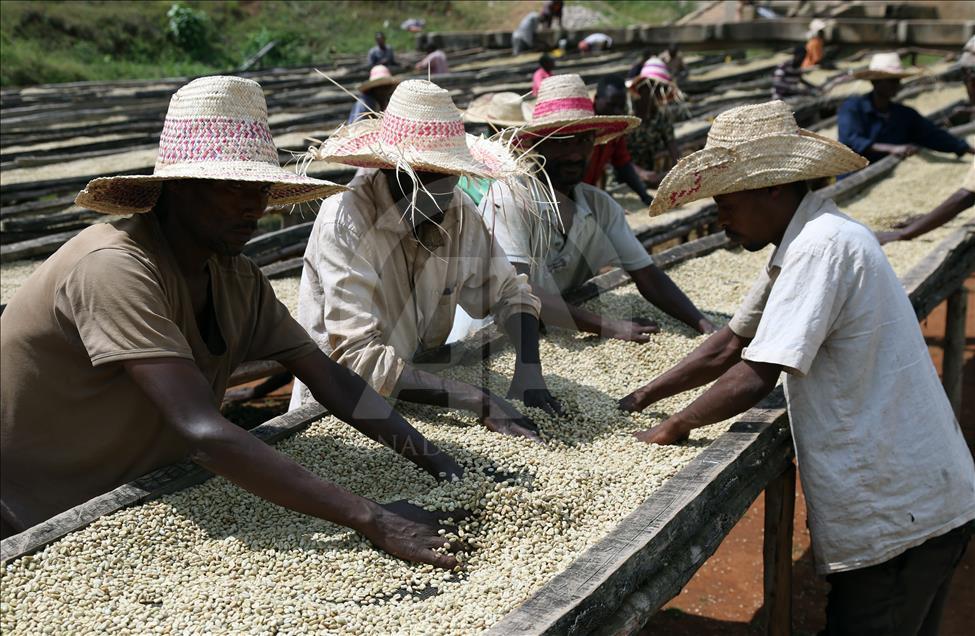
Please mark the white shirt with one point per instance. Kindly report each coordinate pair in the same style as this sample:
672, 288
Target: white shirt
528, 230
884, 464
371, 295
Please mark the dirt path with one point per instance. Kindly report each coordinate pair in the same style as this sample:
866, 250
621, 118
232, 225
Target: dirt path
725, 596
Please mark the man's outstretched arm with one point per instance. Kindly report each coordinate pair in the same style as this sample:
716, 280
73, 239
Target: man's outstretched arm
662, 292
184, 398
739, 389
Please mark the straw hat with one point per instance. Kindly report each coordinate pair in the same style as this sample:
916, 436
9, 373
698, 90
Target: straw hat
656, 73
750, 147
564, 107
421, 128
498, 109
885, 66
817, 25
379, 75
216, 128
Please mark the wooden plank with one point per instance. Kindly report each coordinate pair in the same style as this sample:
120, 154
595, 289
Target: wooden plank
152, 486
42, 246
780, 507
953, 364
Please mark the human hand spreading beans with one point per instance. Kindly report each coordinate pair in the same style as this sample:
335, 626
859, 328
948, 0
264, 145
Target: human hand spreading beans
411, 533
635, 330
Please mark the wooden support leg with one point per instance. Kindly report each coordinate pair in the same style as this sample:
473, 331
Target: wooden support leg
954, 348
780, 504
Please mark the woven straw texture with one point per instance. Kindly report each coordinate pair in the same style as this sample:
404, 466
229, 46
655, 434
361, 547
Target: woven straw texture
421, 128
752, 147
215, 128
498, 109
379, 75
565, 108
885, 66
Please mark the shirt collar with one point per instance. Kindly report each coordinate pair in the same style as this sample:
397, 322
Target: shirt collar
811, 206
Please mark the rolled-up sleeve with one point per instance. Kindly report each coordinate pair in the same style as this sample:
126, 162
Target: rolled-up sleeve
801, 308
749, 314
353, 309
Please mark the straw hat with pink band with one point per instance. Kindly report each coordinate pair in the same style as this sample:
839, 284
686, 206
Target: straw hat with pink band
751, 147
420, 130
379, 75
885, 66
216, 128
656, 73
564, 108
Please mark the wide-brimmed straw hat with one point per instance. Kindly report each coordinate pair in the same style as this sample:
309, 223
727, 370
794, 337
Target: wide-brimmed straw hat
498, 109
751, 147
564, 107
216, 128
421, 129
885, 66
379, 75
656, 73
817, 25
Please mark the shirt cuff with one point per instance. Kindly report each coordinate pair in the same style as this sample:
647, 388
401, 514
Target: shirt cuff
792, 362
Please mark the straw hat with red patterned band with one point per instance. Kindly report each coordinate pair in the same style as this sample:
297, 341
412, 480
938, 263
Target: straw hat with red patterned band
421, 129
498, 109
752, 147
379, 75
565, 108
656, 73
885, 66
216, 128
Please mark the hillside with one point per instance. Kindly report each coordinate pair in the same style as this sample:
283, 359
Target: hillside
45, 42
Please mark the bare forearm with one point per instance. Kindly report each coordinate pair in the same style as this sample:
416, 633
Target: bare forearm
705, 364
739, 389
958, 202
662, 292
558, 313
422, 387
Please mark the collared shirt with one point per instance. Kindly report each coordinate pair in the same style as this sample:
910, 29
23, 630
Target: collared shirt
381, 56
73, 423
364, 104
530, 233
650, 138
884, 464
372, 294
615, 152
861, 125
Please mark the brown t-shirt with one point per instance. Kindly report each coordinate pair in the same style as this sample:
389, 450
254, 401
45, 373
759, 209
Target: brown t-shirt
74, 425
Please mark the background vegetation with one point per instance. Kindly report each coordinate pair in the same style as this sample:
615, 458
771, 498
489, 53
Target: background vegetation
45, 42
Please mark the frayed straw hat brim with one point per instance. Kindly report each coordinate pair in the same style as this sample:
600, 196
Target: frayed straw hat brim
380, 81
359, 145
479, 112
758, 163
132, 194
607, 127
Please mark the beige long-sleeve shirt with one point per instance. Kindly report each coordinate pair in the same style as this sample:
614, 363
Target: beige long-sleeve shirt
372, 293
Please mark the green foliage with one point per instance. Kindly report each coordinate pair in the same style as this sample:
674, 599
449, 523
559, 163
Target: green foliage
190, 30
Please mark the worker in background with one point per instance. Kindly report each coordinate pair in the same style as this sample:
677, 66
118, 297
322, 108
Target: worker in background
675, 63
815, 44
546, 64
611, 101
595, 42
887, 475
523, 37
435, 61
382, 53
787, 80
551, 11
959, 201
374, 93
150, 315
652, 91
645, 55
388, 262
562, 242
875, 126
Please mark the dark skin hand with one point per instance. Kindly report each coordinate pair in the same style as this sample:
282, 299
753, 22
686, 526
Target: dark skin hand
200, 218
951, 207
416, 385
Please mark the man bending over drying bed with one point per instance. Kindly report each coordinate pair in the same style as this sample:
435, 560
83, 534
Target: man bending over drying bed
888, 479
117, 351
388, 263
562, 246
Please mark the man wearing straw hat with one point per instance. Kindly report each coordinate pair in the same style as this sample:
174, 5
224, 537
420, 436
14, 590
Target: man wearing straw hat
117, 351
374, 93
562, 243
875, 126
388, 263
888, 479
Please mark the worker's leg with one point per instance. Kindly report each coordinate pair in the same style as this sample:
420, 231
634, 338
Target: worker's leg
901, 596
